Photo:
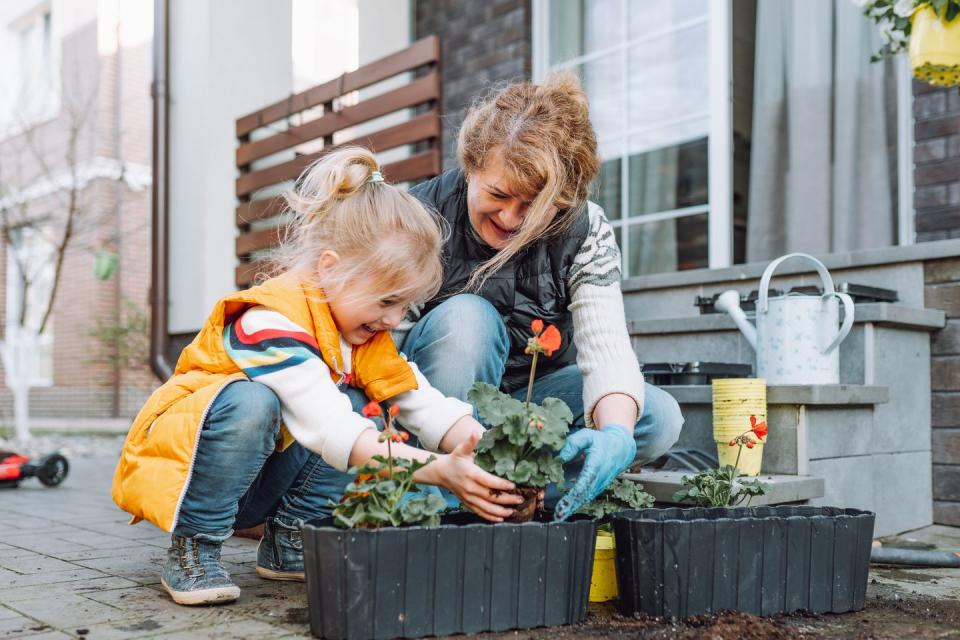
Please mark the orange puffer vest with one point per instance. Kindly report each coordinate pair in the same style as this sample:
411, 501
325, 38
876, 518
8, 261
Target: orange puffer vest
157, 458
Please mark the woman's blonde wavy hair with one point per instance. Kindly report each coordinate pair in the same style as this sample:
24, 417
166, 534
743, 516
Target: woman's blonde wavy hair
544, 138
376, 228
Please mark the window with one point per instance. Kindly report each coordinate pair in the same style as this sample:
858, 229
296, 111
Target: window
36, 76
671, 88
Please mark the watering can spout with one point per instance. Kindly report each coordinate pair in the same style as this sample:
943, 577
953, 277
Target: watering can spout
729, 303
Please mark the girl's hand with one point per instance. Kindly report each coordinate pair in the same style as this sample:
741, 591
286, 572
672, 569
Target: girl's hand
461, 430
483, 493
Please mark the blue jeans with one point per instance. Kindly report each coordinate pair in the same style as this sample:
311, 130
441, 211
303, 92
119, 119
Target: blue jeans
239, 479
463, 340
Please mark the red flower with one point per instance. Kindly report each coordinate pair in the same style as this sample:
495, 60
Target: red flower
760, 429
537, 326
749, 444
549, 340
732, 443
394, 410
404, 436
371, 409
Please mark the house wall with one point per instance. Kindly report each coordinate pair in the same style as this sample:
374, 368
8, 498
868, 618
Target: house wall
109, 87
482, 43
937, 156
942, 291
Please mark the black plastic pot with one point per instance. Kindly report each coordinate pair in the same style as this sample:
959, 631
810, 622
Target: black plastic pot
761, 560
461, 577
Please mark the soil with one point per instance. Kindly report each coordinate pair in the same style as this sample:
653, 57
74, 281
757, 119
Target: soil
532, 503
920, 618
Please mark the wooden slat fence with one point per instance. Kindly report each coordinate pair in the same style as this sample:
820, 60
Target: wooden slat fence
260, 137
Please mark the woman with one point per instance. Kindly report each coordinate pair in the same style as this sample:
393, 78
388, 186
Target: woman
525, 243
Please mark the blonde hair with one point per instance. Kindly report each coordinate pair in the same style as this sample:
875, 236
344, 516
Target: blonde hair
544, 138
376, 228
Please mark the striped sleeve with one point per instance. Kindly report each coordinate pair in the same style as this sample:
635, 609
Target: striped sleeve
276, 352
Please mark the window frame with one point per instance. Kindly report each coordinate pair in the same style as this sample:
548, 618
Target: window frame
719, 206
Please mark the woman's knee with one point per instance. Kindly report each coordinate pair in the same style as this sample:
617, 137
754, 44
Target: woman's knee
474, 321
659, 427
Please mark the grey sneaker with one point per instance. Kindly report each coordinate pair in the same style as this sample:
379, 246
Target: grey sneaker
280, 554
192, 573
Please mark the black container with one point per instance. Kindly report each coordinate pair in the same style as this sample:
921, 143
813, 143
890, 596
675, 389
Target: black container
760, 560
461, 577
674, 373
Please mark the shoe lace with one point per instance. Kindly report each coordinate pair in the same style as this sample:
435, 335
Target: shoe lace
192, 565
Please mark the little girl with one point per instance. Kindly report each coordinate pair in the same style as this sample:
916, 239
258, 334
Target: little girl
275, 377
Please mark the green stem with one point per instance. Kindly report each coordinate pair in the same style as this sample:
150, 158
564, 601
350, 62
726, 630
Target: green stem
739, 451
533, 369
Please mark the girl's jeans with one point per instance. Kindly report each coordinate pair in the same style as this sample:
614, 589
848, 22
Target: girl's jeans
238, 480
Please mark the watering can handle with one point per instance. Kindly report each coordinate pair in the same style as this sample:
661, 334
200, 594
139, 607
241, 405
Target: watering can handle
847, 318
762, 305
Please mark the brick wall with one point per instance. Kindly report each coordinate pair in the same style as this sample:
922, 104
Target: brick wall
942, 291
114, 216
482, 43
937, 157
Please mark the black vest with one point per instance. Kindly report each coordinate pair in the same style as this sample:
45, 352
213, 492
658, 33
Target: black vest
533, 284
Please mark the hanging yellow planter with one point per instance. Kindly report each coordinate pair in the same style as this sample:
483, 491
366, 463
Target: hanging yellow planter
935, 48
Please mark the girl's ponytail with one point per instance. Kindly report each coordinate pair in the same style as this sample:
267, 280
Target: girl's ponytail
334, 177
342, 204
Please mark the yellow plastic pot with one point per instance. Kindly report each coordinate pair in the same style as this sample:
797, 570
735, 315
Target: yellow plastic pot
734, 401
935, 48
603, 583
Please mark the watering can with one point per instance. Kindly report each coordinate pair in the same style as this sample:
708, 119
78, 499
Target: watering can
796, 338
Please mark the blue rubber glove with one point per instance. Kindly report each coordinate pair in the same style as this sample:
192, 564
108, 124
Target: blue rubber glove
609, 452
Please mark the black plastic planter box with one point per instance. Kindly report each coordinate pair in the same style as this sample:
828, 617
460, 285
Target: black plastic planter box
461, 577
760, 560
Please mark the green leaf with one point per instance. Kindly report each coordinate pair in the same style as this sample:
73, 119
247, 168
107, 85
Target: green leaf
523, 471
504, 467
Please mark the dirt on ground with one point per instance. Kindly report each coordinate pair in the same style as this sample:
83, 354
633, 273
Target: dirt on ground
884, 616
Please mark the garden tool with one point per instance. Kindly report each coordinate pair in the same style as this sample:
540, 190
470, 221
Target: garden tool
796, 338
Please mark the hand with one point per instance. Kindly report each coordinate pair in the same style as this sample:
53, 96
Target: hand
609, 452
483, 493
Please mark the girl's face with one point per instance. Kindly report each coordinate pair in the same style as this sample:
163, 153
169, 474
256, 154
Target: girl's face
361, 311
496, 209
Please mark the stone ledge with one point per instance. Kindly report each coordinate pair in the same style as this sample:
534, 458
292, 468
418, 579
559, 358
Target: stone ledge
782, 488
882, 313
815, 394
835, 262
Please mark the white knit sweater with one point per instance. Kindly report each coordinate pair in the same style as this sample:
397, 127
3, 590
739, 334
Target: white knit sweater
604, 353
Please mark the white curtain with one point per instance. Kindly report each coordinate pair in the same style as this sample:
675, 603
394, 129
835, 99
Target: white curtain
820, 169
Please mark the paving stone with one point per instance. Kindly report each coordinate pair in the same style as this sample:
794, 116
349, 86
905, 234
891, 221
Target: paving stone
11, 579
238, 629
35, 563
21, 626
84, 587
69, 611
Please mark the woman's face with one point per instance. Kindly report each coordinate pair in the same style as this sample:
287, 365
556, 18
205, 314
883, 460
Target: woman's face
496, 209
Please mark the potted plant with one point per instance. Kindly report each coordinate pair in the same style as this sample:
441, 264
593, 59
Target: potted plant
621, 495
725, 487
383, 567
523, 437
680, 562
930, 29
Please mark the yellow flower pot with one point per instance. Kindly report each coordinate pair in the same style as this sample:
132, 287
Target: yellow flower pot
603, 583
935, 48
734, 401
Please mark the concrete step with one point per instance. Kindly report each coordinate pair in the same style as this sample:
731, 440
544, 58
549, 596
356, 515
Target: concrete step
782, 488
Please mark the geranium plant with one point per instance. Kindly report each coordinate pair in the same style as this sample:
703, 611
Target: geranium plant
725, 487
893, 20
523, 437
380, 494
620, 495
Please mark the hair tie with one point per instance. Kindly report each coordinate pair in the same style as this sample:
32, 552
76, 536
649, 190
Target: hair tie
376, 176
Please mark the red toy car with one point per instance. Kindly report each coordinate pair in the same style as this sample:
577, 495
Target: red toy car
50, 470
